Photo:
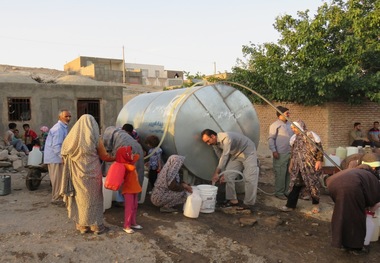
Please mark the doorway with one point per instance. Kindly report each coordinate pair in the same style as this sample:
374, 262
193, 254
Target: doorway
91, 107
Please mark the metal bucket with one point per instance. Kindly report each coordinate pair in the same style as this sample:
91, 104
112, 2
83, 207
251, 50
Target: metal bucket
184, 113
5, 184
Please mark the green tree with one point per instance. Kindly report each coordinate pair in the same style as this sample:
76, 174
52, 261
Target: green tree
192, 79
334, 56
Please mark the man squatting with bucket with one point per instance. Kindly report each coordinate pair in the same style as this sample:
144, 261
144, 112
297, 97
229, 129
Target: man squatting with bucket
235, 152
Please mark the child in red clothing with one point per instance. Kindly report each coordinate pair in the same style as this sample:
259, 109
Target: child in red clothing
130, 188
30, 137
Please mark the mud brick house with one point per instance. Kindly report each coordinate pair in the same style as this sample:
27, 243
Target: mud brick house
38, 104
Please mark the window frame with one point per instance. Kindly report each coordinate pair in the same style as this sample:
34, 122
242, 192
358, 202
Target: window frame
19, 109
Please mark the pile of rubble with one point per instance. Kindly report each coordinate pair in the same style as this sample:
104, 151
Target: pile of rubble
12, 160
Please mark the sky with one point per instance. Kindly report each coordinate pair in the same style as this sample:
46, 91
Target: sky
193, 36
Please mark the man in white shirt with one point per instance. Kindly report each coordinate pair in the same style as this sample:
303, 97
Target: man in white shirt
52, 154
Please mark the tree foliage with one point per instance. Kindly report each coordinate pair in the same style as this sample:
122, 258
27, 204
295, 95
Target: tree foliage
193, 79
334, 56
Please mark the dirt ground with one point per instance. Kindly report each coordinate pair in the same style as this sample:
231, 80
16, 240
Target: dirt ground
33, 230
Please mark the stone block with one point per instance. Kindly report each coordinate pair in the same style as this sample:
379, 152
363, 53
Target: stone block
13, 151
13, 157
17, 164
5, 164
4, 155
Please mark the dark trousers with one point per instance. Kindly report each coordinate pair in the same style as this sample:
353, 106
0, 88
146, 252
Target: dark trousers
362, 143
294, 195
152, 175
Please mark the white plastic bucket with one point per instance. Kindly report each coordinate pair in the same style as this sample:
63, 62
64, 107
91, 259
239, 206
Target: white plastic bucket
208, 195
107, 197
352, 150
193, 204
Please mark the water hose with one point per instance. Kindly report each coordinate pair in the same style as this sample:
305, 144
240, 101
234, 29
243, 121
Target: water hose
287, 118
175, 101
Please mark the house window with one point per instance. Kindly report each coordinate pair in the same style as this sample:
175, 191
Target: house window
91, 107
19, 109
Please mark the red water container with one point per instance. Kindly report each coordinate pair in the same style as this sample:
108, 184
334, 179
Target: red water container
115, 176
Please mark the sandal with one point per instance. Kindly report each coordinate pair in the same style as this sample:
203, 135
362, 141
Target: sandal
128, 230
82, 229
98, 230
315, 210
359, 252
138, 227
243, 207
286, 209
167, 209
228, 203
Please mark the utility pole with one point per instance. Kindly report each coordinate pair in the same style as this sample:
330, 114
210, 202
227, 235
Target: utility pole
123, 67
214, 68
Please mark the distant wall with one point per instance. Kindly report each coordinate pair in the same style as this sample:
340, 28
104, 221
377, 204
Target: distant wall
332, 122
73, 65
103, 74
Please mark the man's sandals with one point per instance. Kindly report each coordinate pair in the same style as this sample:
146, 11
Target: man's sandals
238, 206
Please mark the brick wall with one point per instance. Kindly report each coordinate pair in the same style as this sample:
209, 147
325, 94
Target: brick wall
332, 122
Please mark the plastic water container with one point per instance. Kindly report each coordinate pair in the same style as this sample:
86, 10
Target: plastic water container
341, 152
367, 149
193, 204
35, 156
114, 196
5, 184
208, 194
370, 227
377, 214
107, 197
143, 192
376, 231
335, 158
352, 150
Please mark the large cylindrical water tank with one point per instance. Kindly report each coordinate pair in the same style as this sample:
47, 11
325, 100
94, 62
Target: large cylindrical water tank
184, 114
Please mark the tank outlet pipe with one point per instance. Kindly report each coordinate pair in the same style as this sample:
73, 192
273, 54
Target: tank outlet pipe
233, 171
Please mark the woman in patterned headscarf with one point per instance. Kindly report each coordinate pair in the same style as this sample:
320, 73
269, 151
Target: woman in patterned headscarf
305, 166
82, 177
168, 190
